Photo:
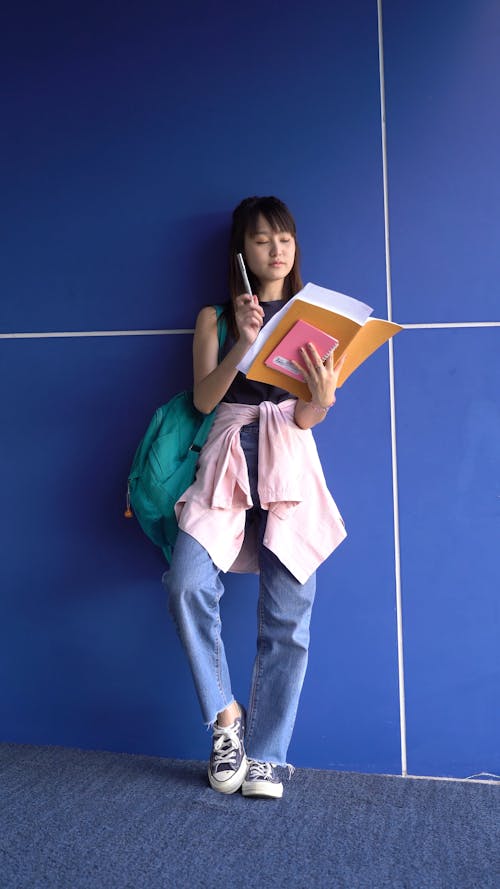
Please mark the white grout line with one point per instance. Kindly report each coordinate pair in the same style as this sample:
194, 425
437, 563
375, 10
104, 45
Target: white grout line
397, 560
81, 333
451, 324
185, 330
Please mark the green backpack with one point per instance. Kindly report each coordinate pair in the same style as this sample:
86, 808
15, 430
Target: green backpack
164, 465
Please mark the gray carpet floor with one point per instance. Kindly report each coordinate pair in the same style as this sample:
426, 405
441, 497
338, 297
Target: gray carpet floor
72, 819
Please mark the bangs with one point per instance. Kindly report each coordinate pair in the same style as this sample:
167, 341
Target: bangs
275, 214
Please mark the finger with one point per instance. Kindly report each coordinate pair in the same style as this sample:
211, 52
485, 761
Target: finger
316, 357
298, 367
245, 302
251, 322
249, 315
306, 358
244, 299
313, 357
254, 316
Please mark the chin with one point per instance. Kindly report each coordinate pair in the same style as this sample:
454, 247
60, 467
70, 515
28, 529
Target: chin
277, 274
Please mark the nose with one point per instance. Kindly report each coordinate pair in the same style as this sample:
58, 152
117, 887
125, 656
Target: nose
275, 246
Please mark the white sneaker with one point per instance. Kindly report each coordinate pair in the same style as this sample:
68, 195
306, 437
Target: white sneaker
228, 764
262, 780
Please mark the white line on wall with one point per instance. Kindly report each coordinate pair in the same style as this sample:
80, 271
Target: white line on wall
174, 331
82, 333
451, 324
397, 561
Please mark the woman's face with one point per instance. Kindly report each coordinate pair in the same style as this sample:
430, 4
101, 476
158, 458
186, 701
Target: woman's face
269, 254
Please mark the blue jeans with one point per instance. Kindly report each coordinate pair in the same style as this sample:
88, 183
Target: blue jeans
283, 617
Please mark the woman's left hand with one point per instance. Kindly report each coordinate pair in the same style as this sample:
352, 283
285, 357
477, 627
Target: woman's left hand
321, 378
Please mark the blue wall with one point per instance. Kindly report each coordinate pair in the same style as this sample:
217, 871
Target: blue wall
131, 134
442, 68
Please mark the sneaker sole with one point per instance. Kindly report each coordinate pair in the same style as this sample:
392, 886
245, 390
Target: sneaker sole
232, 784
262, 789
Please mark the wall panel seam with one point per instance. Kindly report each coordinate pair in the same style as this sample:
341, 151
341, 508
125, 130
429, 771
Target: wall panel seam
441, 325
394, 463
91, 333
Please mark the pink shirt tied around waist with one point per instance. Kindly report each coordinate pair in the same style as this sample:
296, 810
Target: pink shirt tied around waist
303, 524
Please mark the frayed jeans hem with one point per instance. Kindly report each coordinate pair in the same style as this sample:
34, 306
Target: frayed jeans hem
209, 725
283, 766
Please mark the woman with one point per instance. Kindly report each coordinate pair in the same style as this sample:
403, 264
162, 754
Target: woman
259, 503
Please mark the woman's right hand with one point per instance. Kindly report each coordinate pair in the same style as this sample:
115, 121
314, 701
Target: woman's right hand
249, 317
211, 379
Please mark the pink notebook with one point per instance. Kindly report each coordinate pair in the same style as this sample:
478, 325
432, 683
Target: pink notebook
288, 349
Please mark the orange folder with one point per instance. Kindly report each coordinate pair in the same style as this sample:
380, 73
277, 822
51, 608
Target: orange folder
360, 341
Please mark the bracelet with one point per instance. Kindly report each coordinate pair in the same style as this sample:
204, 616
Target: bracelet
319, 408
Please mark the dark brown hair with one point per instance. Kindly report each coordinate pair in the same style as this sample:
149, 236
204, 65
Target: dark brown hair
245, 217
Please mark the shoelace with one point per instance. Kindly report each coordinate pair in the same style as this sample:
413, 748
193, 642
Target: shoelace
226, 743
259, 770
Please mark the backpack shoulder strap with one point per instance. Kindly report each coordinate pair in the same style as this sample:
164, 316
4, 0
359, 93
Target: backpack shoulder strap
221, 326
201, 435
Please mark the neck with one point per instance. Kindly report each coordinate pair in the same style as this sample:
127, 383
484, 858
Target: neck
271, 291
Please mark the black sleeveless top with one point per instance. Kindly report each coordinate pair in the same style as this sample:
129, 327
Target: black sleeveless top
244, 391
